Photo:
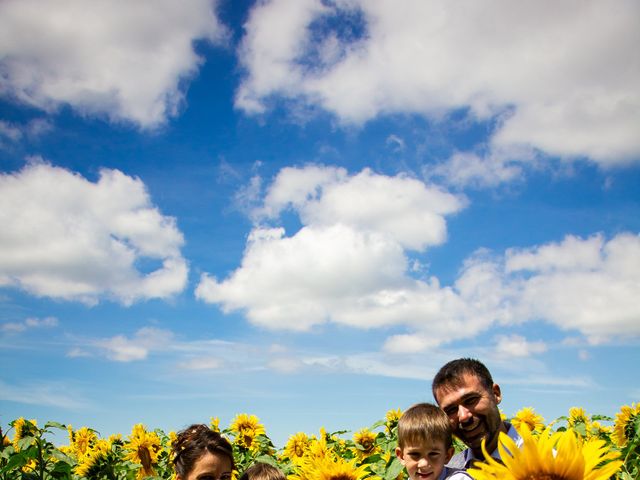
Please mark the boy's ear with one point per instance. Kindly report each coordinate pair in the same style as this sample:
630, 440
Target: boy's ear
449, 455
400, 455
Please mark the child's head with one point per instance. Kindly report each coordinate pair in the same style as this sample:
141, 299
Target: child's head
424, 441
262, 471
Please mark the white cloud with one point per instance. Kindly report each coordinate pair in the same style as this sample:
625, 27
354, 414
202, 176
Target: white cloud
403, 208
14, 132
31, 322
514, 346
77, 352
10, 131
487, 169
561, 78
348, 264
201, 363
65, 237
146, 340
123, 59
285, 365
591, 285
395, 143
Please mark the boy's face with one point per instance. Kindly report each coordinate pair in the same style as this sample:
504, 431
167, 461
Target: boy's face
424, 461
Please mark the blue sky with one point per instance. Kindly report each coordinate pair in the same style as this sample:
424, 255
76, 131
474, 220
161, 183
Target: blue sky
302, 209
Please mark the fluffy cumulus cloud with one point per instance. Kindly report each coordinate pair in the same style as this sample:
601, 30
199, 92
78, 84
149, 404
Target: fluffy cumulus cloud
558, 78
66, 237
348, 263
127, 349
590, 285
117, 58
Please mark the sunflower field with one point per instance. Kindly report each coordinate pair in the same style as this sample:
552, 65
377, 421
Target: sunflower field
578, 446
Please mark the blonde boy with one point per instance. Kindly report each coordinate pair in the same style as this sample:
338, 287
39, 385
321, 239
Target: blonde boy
262, 471
425, 444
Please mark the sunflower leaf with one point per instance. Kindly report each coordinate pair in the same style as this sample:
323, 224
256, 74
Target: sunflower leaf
394, 470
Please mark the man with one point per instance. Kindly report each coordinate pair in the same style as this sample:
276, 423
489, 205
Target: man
465, 391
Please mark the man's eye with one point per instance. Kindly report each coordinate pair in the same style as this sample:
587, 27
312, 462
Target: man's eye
471, 401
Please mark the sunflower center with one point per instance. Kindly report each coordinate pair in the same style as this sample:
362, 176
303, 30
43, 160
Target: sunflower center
341, 476
145, 457
544, 476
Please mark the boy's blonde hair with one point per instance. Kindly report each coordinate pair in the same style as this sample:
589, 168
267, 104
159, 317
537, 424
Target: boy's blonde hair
424, 422
262, 471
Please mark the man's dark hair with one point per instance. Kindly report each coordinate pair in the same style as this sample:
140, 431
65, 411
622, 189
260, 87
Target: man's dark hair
450, 375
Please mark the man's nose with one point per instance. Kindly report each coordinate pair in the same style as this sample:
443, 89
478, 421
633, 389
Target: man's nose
464, 414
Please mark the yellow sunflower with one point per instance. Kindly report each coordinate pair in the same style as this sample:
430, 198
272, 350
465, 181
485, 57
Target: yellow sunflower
30, 466
624, 425
92, 457
116, 439
22, 428
577, 417
558, 456
214, 424
365, 441
329, 467
318, 447
392, 418
600, 431
143, 448
81, 441
528, 418
297, 446
246, 428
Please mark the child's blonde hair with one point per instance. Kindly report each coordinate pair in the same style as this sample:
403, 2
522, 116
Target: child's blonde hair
424, 422
262, 471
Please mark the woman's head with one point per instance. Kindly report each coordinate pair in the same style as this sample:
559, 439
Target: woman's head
198, 450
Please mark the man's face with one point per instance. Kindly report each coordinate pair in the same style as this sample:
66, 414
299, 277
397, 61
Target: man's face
473, 412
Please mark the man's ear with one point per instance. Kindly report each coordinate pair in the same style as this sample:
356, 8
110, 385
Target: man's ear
497, 393
400, 455
449, 455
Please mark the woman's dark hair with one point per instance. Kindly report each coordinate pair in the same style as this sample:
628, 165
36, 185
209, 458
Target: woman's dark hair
193, 442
